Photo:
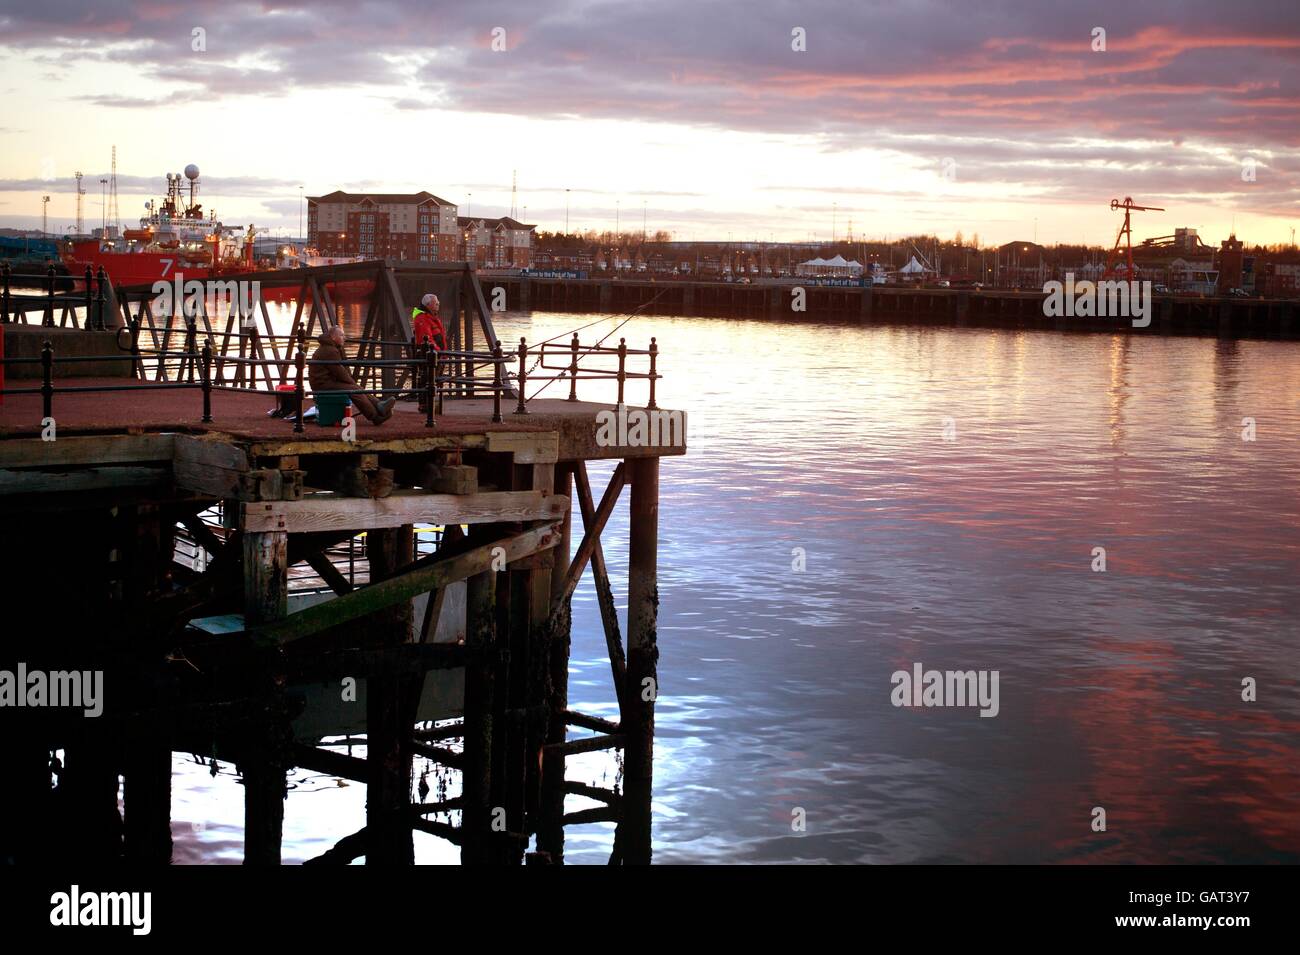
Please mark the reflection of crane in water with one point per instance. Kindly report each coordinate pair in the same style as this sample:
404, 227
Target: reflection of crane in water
1126, 237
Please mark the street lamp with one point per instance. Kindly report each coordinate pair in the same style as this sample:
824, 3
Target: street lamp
45, 218
566, 211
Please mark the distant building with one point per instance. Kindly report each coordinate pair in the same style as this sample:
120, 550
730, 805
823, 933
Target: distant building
415, 227
1278, 279
503, 243
1231, 264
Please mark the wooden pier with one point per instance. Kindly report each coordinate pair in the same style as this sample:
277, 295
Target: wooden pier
251, 587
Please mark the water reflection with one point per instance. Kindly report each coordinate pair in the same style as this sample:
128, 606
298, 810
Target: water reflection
1120, 689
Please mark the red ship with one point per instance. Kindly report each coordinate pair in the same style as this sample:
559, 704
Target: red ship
176, 237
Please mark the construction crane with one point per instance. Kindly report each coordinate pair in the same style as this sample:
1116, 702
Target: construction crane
1126, 237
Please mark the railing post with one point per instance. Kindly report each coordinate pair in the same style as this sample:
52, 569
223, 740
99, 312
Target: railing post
441, 390
300, 362
7, 297
654, 354
431, 374
47, 380
498, 359
622, 367
573, 368
137, 366
49, 308
523, 375
90, 296
99, 300
191, 346
206, 377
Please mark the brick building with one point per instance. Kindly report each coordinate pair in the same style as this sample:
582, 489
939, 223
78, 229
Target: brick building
413, 227
503, 243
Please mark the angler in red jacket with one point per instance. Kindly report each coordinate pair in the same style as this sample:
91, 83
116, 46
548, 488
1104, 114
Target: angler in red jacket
426, 324
427, 327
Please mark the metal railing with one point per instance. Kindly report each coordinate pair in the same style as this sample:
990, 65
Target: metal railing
434, 376
96, 298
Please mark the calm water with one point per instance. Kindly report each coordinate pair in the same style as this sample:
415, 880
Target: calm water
1119, 690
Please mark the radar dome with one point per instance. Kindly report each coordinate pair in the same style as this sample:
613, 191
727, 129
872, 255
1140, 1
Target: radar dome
191, 171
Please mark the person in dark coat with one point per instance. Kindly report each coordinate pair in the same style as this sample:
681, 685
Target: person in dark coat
336, 377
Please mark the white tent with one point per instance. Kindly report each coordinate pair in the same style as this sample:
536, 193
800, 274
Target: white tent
913, 267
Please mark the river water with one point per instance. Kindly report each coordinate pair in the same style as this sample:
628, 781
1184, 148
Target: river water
860, 500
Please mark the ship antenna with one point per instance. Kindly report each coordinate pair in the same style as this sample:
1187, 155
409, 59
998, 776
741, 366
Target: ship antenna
112, 194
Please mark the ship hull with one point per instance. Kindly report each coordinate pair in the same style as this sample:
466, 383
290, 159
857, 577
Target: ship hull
148, 267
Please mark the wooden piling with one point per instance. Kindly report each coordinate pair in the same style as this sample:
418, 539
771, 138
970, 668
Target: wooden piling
262, 762
147, 799
642, 661
388, 753
550, 829
480, 707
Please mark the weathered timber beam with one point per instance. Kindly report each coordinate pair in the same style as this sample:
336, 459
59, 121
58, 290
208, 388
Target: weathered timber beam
432, 613
574, 718
85, 479
528, 447
604, 592
595, 814
345, 851
428, 808
439, 754
591, 537
589, 744
328, 573
607, 796
94, 449
441, 829
421, 578
403, 507
433, 734
329, 762
203, 535
209, 451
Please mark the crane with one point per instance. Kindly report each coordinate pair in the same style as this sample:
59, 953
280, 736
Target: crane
1126, 237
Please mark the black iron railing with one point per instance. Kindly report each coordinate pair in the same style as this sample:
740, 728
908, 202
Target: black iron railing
96, 300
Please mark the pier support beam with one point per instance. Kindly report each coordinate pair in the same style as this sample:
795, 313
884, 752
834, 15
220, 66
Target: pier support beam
388, 754
633, 840
147, 800
263, 762
550, 831
480, 692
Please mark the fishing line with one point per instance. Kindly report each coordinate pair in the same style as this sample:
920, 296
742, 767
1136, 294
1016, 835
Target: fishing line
630, 315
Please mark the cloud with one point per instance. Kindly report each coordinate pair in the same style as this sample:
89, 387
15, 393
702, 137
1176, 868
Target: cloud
1014, 91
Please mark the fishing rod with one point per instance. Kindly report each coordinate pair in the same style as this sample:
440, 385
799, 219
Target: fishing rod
630, 315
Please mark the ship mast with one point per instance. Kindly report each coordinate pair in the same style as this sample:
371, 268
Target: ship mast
112, 194
81, 222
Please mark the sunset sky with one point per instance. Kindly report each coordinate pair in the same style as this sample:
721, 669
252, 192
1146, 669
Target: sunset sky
899, 117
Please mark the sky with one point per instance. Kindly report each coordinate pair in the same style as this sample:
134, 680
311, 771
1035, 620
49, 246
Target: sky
764, 120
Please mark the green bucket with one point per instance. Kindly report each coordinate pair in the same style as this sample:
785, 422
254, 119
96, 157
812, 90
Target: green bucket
331, 409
